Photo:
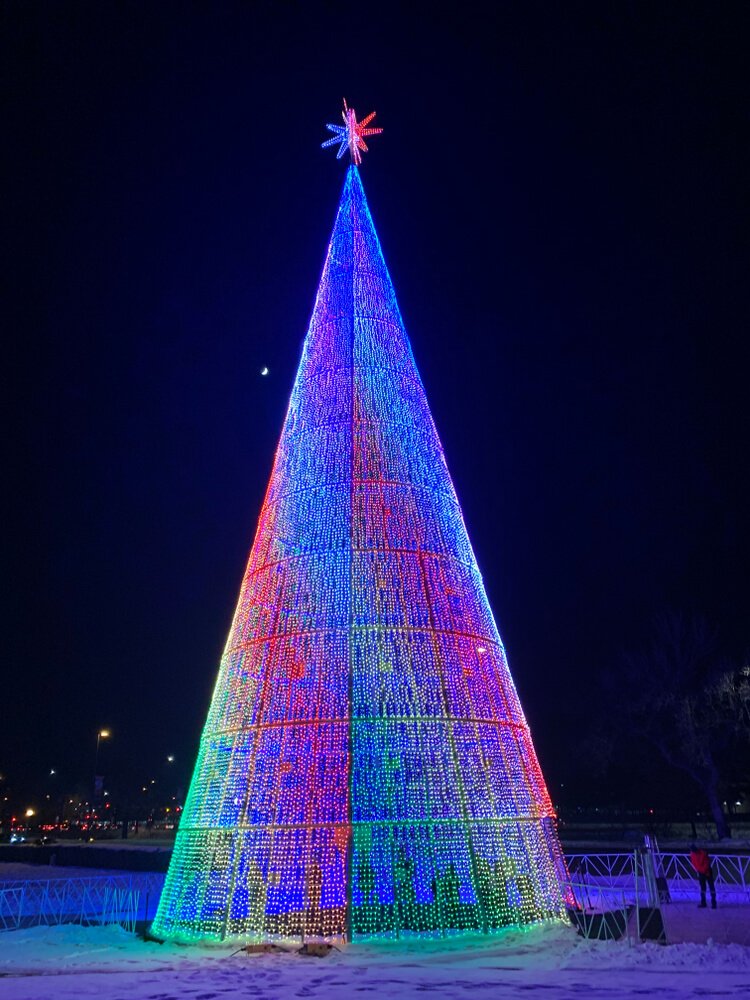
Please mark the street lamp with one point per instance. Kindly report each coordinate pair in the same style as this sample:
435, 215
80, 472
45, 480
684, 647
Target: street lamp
103, 734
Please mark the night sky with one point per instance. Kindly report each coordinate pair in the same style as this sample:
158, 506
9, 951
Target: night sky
560, 192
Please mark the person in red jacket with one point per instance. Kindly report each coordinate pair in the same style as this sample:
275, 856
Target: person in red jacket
701, 862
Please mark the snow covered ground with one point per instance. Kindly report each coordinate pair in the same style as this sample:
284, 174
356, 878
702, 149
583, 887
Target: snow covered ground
71, 962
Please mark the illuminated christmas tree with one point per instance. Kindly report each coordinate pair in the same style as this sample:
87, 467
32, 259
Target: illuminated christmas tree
366, 767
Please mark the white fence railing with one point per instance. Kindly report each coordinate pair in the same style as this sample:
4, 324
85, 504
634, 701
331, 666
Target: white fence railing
630, 877
600, 884
102, 899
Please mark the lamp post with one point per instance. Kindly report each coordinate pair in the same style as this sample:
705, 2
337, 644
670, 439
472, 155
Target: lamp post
103, 734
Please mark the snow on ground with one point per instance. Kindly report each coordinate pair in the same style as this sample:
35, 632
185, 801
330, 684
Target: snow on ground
78, 963
71, 962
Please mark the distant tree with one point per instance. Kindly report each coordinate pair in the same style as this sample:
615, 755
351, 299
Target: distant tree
680, 696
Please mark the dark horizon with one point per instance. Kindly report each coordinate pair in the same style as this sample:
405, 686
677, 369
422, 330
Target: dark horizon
560, 197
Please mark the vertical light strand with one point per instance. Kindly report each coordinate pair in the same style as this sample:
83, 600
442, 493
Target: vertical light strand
350, 661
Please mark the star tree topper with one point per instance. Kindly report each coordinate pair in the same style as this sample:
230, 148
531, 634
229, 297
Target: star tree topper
351, 134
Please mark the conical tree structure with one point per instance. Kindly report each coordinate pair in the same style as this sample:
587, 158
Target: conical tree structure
366, 767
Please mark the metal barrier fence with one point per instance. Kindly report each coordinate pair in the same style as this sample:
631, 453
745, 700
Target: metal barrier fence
640, 875
102, 899
609, 889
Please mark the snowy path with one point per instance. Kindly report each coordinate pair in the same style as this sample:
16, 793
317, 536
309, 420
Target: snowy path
71, 962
